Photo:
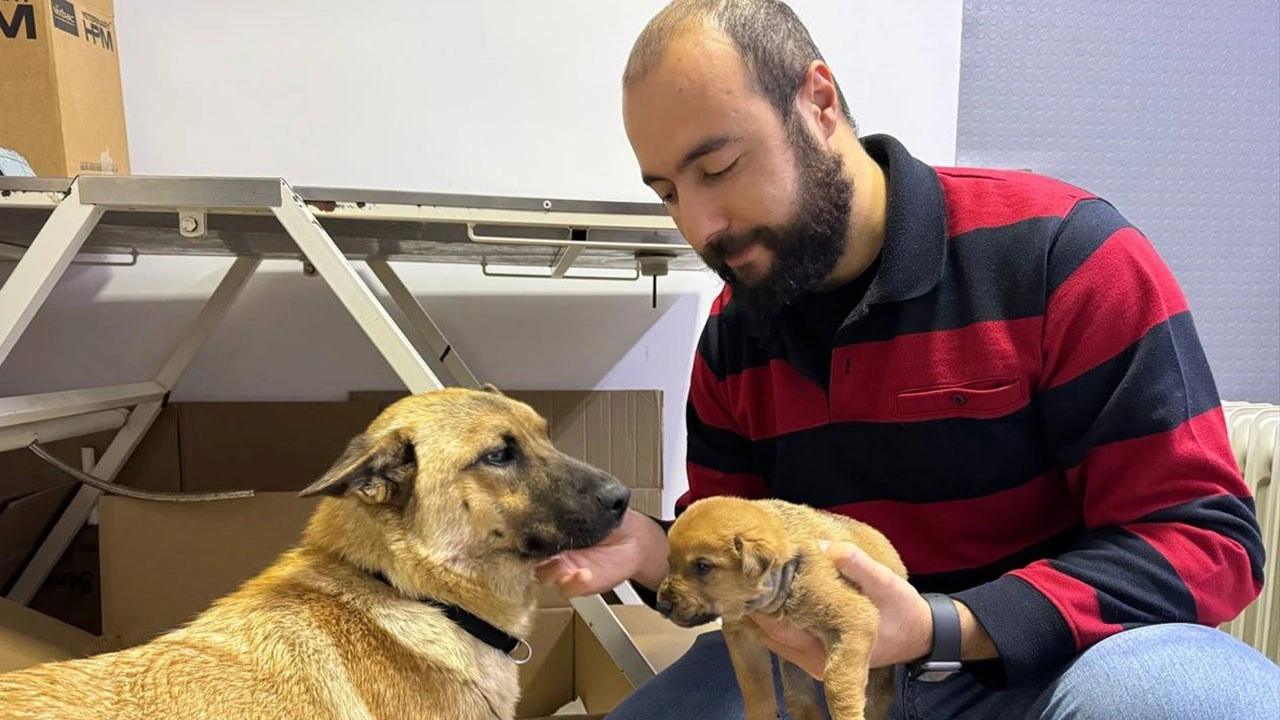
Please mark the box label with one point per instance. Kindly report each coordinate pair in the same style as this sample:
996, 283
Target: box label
64, 17
98, 32
21, 20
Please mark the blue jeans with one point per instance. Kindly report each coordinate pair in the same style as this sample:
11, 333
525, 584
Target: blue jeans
1161, 672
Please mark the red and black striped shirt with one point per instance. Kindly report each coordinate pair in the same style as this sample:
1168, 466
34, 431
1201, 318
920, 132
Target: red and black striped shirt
1019, 400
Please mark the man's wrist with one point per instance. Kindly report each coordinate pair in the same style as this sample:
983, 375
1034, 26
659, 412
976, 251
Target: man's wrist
975, 643
651, 565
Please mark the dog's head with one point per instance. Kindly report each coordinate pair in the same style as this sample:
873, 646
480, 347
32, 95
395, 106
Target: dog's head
729, 557
457, 474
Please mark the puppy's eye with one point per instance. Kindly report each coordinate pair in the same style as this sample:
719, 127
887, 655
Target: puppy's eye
701, 567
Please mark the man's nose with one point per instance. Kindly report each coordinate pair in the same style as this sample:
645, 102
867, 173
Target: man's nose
699, 220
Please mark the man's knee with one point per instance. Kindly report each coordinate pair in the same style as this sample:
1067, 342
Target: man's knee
698, 686
1167, 672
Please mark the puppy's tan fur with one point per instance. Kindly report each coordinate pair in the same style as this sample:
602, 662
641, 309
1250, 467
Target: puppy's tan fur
731, 557
453, 495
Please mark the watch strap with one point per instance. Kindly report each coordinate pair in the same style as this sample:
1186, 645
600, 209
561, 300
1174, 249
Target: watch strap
944, 658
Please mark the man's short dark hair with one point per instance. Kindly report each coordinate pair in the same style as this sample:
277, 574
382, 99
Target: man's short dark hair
772, 42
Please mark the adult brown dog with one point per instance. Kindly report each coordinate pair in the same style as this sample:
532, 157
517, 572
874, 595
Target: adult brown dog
731, 557
451, 496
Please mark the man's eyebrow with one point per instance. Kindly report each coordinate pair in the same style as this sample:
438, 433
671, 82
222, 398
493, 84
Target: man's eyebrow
705, 147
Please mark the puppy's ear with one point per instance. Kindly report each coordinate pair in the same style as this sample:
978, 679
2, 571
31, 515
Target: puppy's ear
378, 471
491, 388
757, 556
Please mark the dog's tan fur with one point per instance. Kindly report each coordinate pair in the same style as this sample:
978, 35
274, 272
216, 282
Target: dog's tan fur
731, 557
453, 495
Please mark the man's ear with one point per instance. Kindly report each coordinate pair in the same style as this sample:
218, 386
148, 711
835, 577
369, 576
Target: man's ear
757, 556
378, 471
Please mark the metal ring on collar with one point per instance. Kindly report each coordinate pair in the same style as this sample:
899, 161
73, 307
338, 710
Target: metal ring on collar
528, 653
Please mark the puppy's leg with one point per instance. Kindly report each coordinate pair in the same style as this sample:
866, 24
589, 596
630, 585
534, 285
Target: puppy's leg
753, 667
845, 680
801, 693
880, 692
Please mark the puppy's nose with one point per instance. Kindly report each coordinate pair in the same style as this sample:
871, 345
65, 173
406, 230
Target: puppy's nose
614, 497
663, 606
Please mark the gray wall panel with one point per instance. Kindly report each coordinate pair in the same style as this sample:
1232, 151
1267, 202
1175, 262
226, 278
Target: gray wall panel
1171, 110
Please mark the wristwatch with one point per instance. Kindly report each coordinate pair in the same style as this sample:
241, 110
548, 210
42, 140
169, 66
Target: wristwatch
943, 660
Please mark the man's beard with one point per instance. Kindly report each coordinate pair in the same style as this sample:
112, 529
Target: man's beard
806, 248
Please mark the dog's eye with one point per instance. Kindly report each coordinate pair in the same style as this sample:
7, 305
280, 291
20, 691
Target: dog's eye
500, 458
701, 567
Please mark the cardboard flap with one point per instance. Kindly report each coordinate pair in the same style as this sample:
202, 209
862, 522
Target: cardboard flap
163, 563
29, 638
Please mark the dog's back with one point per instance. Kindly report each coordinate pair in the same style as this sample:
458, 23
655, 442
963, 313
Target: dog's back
804, 522
281, 648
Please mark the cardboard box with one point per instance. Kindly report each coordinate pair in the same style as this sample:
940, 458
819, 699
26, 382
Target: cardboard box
33, 495
28, 637
61, 100
269, 446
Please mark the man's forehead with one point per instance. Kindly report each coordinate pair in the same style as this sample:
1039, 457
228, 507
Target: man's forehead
697, 95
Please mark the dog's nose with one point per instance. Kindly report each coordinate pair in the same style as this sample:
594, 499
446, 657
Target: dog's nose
614, 497
663, 606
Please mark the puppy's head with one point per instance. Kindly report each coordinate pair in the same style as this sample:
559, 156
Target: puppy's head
457, 474
729, 557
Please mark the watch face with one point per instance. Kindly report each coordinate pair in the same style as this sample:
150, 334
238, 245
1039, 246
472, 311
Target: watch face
935, 671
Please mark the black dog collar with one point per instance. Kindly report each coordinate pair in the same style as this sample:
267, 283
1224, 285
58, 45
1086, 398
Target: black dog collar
479, 629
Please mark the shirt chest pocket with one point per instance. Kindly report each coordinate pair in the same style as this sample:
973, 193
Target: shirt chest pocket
974, 399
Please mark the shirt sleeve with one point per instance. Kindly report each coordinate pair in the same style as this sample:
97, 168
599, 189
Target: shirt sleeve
1131, 412
719, 459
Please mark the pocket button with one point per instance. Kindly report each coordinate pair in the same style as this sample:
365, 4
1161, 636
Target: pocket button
958, 400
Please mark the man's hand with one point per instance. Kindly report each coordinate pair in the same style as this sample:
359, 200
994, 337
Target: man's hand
906, 625
637, 550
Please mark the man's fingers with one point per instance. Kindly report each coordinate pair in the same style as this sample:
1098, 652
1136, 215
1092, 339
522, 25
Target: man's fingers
875, 580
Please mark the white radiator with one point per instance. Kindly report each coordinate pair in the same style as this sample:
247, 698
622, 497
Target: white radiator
1255, 439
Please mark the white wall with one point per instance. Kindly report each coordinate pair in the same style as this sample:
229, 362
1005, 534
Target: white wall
440, 96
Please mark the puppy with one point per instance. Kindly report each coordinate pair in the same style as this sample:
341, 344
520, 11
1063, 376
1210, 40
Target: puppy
409, 595
731, 557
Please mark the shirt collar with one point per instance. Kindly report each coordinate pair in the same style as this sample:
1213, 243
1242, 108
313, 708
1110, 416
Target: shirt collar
915, 235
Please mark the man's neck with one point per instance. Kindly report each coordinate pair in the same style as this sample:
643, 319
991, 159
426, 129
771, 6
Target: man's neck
866, 218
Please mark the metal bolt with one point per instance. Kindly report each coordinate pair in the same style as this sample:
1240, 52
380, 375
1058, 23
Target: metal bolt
308, 269
546, 204
189, 224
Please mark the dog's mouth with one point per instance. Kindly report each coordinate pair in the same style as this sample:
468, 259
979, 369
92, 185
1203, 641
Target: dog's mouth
541, 545
688, 621
538, 547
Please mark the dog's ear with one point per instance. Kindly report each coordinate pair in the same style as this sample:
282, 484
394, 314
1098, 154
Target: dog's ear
378, 471
491, 388
757, 556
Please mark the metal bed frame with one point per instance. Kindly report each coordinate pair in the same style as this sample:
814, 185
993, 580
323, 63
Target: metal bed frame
45, 223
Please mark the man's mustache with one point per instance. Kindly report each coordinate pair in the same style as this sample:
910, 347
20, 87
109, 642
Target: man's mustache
723, 245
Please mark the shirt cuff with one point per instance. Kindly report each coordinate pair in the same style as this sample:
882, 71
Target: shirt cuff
1029, 633
647, 596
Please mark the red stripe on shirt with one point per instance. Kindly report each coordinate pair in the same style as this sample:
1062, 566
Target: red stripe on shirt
1075, 600
1125, 286
706, 400
992, 198
922, 375
1132, 486
774, 400
972, 532
706, 482
1200, 557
